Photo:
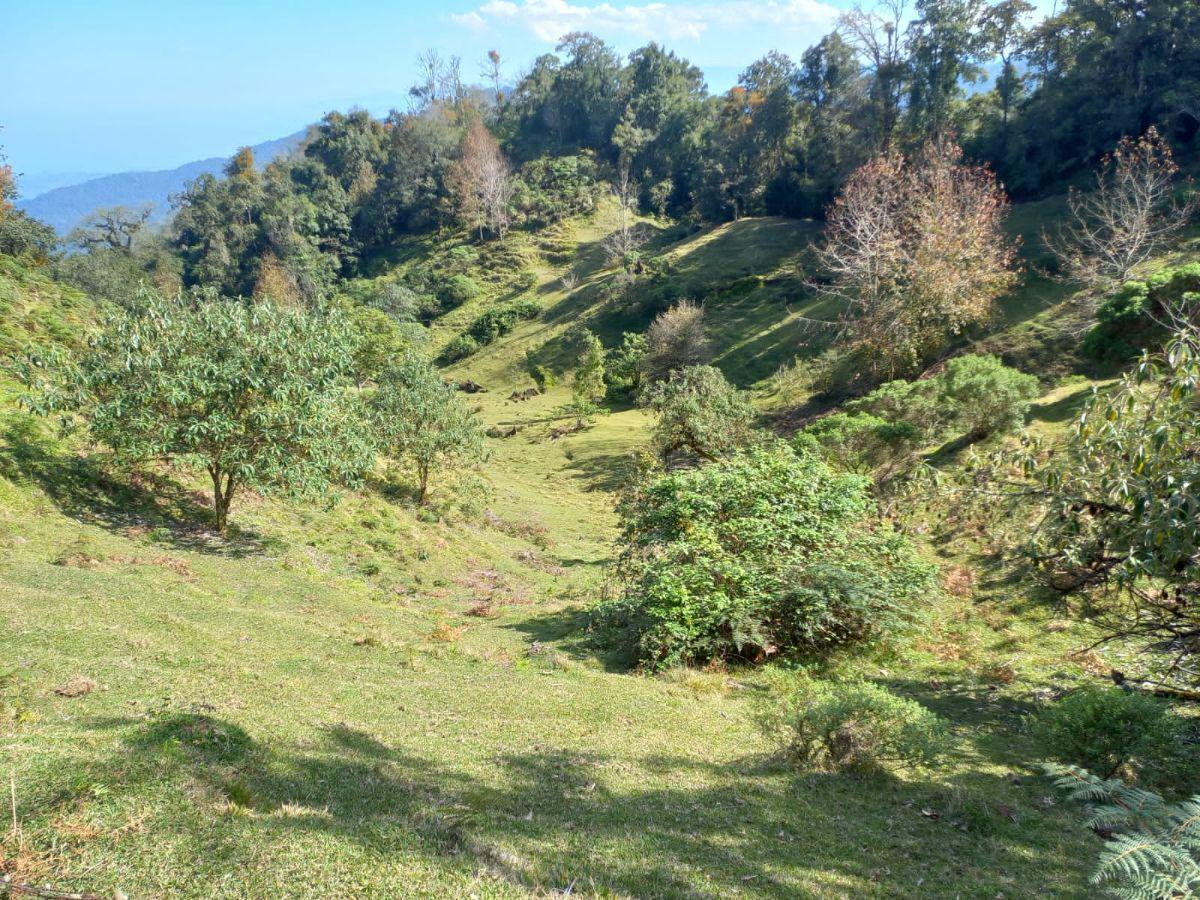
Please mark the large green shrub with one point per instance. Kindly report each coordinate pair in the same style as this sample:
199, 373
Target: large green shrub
460, 347
1126, 320
457, 290
698, 412
982, 396
853, 725
767, 552
865, 443
500, 320
1109, 731
1121, 510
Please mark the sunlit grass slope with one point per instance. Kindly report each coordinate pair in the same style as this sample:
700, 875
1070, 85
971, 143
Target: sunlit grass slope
357, 700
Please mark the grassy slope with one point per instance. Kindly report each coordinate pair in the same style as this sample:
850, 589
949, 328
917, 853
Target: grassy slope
312, 708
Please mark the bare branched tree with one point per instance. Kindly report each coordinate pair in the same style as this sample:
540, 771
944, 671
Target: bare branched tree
481, 182
626, 238
915, 252
1134, 211
877, 36
490, 70
439, 82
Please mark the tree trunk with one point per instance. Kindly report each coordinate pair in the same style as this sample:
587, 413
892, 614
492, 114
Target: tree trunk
423, 489
223, 487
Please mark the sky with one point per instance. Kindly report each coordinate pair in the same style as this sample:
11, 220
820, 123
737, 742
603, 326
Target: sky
152, 84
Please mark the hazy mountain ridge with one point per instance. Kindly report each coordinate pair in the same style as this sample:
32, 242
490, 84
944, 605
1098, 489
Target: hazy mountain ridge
62, 208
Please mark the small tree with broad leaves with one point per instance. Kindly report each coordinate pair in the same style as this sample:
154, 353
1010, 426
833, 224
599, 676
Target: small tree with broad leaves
1121, 507
254, 394
420, 419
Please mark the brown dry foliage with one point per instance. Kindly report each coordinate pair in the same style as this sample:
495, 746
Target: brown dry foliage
916, 253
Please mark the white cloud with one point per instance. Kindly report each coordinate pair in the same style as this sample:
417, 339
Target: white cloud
548, 20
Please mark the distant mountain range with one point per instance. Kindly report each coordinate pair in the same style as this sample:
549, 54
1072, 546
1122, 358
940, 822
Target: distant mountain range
64, 207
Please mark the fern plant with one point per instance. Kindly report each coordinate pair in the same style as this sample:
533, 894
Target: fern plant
1154, 853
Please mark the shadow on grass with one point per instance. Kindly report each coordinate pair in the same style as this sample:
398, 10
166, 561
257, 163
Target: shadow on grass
569, 632
558, 819
84, 490
1064, 409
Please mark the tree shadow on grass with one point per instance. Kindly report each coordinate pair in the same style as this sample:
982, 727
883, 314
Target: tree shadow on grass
569, 632
568, 819
84, 490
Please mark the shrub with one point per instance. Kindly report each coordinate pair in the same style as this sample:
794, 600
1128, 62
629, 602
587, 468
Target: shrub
675, 341
854, 725
460, 348
1118, 498
1125, 321
548, 189
623, 367
912, 402
500, 320
698, 412
983, 396
768, 552
457, 290
1109, 731
400, 302
864, 443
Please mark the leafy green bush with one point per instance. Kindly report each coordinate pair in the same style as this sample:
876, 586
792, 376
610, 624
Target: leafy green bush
457, 290
1119, 504
1154, 853
1109, 731
974, 395
400, 302
623, 367
698, 412
548, 189
460, 348
854, 725
865, 443
982, 396
767, 552
500, 320
1125, 321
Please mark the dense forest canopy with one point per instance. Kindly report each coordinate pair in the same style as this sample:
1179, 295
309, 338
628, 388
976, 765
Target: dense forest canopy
1035, 101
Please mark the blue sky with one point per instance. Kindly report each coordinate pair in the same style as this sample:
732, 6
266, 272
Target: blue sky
144, 84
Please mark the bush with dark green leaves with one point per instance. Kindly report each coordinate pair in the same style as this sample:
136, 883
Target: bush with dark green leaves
623, 368
769, 552
1120, 518
854, 725
551, 188
460, 347
500, 320
699, 412
457, 290
882, 433
1110, 731
865, 443
1128, 319
982, 396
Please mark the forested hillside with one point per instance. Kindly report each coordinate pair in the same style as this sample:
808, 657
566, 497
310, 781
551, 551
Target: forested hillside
593, 485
